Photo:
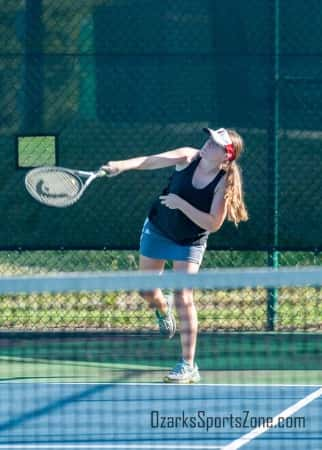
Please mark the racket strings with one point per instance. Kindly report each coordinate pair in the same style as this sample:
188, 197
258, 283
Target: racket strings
54, 187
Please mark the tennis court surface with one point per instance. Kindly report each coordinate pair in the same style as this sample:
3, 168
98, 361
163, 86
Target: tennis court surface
96, 386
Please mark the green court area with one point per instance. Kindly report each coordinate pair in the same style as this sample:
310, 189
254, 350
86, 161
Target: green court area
239, 358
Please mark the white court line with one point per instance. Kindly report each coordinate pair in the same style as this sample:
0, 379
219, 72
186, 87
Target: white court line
108, 446
246, 438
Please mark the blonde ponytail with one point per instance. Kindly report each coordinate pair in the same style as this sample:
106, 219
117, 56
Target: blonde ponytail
234, 196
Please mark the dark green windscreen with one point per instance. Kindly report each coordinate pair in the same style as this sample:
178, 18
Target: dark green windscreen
118, 79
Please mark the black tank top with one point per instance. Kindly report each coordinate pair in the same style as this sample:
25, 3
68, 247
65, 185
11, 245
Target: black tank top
172, 222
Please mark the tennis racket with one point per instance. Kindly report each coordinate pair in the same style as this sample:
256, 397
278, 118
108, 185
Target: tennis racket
57, 186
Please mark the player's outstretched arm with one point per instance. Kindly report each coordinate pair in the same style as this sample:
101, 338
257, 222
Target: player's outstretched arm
181, 155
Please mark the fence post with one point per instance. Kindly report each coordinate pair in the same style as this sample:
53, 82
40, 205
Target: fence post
273, 161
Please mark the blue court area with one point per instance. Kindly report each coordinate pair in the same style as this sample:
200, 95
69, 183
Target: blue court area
39, 415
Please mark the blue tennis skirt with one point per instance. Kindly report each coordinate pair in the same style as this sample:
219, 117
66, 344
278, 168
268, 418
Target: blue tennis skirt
154, 244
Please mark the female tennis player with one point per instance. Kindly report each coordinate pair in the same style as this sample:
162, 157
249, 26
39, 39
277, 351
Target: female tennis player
204, 189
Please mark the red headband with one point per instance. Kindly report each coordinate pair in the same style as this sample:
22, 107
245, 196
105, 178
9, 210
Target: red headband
231, 152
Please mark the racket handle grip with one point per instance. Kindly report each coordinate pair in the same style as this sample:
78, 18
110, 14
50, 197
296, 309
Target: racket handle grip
101, 173
107, 172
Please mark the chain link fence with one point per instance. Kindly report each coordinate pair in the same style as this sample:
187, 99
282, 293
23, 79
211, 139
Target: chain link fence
299, 309
87, 82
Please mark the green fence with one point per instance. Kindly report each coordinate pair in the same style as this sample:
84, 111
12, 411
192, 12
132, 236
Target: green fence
84, 82
97, 80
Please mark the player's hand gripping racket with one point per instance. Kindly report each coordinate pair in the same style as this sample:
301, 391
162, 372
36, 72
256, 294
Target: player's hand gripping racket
59, 187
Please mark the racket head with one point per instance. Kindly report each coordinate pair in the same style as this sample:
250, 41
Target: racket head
54, 186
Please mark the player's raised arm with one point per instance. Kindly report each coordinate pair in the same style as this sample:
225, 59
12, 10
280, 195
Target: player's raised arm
181, 155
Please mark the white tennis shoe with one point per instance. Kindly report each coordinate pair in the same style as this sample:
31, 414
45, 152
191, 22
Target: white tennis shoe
183, 373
